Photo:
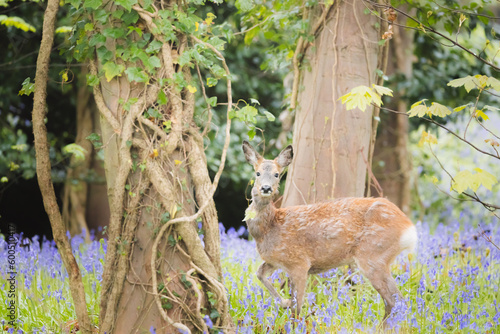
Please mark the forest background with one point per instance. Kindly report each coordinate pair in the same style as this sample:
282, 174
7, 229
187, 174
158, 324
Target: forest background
268, 48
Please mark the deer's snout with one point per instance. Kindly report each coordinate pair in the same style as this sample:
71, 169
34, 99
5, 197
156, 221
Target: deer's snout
266, 190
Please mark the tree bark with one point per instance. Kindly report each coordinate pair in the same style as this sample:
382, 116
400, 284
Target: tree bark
157, 270
43, 168
330, 142
391, 162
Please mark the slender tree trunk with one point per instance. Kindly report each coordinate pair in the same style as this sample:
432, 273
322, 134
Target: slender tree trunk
332, 144
43, 168
391, 162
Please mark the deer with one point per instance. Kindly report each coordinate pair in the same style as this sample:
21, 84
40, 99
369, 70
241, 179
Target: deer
309, 239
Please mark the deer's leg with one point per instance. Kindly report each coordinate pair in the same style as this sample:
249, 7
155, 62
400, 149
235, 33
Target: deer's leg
381, 278
299, 281
263, 273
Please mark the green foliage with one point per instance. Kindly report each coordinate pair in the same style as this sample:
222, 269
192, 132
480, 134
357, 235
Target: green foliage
28, 87
76, 151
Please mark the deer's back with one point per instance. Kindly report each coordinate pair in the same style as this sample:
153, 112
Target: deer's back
331, 234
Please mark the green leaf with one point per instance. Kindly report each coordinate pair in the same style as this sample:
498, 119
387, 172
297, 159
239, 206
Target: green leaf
113, 33
137, 74
212, 101
247, 114
270, 117
244, 5
94, 4
112, 70
101, 15
76, 150
154, 61
92, 80
27, 88
162, 98
153, 47
211, 82
127, 4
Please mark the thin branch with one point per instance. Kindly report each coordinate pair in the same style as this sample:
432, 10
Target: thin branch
428, 28
446, 129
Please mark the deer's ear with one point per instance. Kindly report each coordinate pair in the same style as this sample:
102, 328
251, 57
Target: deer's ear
251, 155
285, 157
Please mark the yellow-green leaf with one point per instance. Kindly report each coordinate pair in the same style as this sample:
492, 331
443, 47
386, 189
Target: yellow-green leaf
249, 214
466, 179
420, 110
427, 138
76, 150
360, 97
481, 80
64, 29
484, 178
480, 113
16, 22
417, 103
381, 90
112, 70
457, 109
462, 181
494, 83
192, 89
460, 81
439, 110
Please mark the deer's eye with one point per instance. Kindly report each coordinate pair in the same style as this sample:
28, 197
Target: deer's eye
258, 174
277, 175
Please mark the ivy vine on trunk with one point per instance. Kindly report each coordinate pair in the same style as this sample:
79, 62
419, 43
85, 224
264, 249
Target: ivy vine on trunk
158, 272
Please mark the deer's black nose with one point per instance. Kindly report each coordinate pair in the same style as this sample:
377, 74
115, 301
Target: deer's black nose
266, 189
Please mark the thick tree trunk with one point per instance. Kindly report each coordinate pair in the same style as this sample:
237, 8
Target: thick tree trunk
391, 162
157, 270
329, 141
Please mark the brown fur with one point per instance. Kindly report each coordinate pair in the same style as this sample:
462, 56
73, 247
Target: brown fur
308, 239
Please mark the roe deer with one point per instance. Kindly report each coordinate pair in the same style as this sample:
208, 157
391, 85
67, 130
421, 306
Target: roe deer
309, 239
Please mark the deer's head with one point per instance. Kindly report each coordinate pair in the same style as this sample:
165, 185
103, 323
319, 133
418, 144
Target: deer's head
267, 172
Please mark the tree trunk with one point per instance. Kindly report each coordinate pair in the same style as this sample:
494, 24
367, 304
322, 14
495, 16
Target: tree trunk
158, 273
332, 144
43, 169
85, 205
391, 162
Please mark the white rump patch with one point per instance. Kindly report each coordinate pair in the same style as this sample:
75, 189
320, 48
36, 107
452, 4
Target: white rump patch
409, 238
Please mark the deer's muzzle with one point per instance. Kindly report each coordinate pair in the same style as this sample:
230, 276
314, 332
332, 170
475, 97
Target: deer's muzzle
266, 191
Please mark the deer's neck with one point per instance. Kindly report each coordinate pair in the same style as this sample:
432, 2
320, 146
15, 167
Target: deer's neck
265, 215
